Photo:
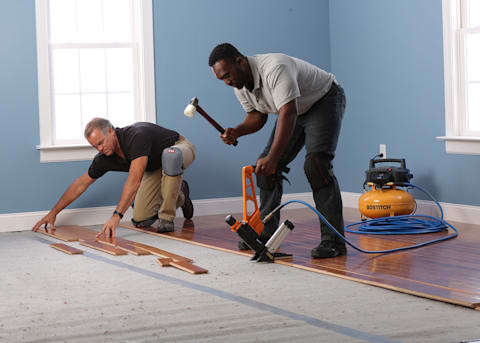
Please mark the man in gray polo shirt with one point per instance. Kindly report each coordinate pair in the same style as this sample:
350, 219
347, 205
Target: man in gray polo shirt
310, 106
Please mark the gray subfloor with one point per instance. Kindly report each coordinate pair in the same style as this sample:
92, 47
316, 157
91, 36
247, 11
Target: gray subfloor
48, 296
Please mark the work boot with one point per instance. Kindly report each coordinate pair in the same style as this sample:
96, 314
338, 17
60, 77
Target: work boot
187, 207
165, 226
145, 223
327, 249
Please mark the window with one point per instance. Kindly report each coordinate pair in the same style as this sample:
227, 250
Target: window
95, 59
461, 40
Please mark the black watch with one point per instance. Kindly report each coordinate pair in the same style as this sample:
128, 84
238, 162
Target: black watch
118, 213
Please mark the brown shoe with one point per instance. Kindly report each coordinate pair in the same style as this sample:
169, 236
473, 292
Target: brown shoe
187, 207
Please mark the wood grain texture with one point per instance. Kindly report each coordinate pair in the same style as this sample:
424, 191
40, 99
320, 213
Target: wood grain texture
71, 233
124, 244
164, 262
188, 267
66, 249
103, 247
446, 271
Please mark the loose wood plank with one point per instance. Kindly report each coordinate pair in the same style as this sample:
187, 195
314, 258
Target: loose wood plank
132, 249
66, 249
70, 233
188, 267
118, 241
103, 247
124, 244
164, 262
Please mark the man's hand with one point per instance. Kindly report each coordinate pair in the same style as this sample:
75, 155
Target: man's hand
108, 229
266, 166
48, 220
229, 136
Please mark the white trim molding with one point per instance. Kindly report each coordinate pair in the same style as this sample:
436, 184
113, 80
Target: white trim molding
461, 145
97, 215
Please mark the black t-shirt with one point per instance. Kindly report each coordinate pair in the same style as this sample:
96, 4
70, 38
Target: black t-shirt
139, 139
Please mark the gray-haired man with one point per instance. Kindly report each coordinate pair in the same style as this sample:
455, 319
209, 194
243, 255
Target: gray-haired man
153, 156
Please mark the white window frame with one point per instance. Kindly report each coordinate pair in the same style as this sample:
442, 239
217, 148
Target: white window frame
457, 141
50, 152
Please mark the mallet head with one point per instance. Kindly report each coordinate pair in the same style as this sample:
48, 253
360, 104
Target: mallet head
191, 108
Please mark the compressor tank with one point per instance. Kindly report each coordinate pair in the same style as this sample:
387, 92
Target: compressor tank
381, 202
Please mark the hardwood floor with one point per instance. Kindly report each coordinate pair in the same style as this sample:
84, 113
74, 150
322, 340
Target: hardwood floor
448, 271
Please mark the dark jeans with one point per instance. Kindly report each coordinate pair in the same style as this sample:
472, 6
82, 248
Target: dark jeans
317, 130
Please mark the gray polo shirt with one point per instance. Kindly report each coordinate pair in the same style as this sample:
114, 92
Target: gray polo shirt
278, 79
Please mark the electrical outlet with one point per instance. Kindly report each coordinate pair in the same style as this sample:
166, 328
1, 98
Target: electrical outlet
383, 150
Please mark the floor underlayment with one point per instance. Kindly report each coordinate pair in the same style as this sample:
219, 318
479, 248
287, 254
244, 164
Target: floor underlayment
49, 296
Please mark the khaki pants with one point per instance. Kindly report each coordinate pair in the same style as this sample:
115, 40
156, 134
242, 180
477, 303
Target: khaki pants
159, 192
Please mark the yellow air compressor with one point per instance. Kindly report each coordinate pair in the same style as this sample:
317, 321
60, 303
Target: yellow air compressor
385, 199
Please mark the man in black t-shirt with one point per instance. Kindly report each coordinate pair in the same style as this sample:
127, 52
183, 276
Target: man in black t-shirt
153, 156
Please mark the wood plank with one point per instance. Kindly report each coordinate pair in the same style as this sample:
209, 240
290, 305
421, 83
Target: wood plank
124, 244
69, 233
66, 249
132, 249
164, 262
162, 253
103, 247
188, 267
118, 241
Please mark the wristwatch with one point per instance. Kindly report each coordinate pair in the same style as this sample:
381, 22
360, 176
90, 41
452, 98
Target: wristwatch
118, 214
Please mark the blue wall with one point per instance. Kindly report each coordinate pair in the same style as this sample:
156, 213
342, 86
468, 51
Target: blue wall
185, 33
388, 55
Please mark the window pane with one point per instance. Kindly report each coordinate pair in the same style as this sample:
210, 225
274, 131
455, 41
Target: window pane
93, 105
474, 13
67, 117
119, 70
117, 20
473, 107
92, 70
473, 57
65, 71
121, 111
62, 21
90, 20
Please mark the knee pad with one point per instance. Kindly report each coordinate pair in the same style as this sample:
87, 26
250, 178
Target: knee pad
172, 161
318, 169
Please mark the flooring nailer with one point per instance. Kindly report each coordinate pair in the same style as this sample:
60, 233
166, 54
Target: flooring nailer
251, 226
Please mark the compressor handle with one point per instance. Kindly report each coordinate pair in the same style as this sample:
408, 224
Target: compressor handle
388, 160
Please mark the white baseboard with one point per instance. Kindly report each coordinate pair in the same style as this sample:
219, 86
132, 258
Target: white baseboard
97, 215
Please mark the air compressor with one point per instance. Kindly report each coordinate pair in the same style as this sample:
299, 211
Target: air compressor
384, 199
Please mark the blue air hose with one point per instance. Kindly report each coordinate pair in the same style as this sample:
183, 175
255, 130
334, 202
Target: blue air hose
396, 225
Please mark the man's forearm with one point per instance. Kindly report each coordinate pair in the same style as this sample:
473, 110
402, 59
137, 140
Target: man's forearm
128, 195
73, 192
252, 123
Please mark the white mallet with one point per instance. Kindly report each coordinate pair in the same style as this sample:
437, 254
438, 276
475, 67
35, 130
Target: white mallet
194, 106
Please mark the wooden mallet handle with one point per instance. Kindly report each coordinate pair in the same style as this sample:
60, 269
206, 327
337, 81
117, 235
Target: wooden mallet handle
213, 122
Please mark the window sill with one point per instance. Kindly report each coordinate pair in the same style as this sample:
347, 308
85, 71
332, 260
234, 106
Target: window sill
461, 145
66, 153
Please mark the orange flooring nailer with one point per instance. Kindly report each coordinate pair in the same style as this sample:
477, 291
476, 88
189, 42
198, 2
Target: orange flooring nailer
251, 226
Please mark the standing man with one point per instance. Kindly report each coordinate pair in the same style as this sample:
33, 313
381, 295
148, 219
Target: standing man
153, 156
310, 106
